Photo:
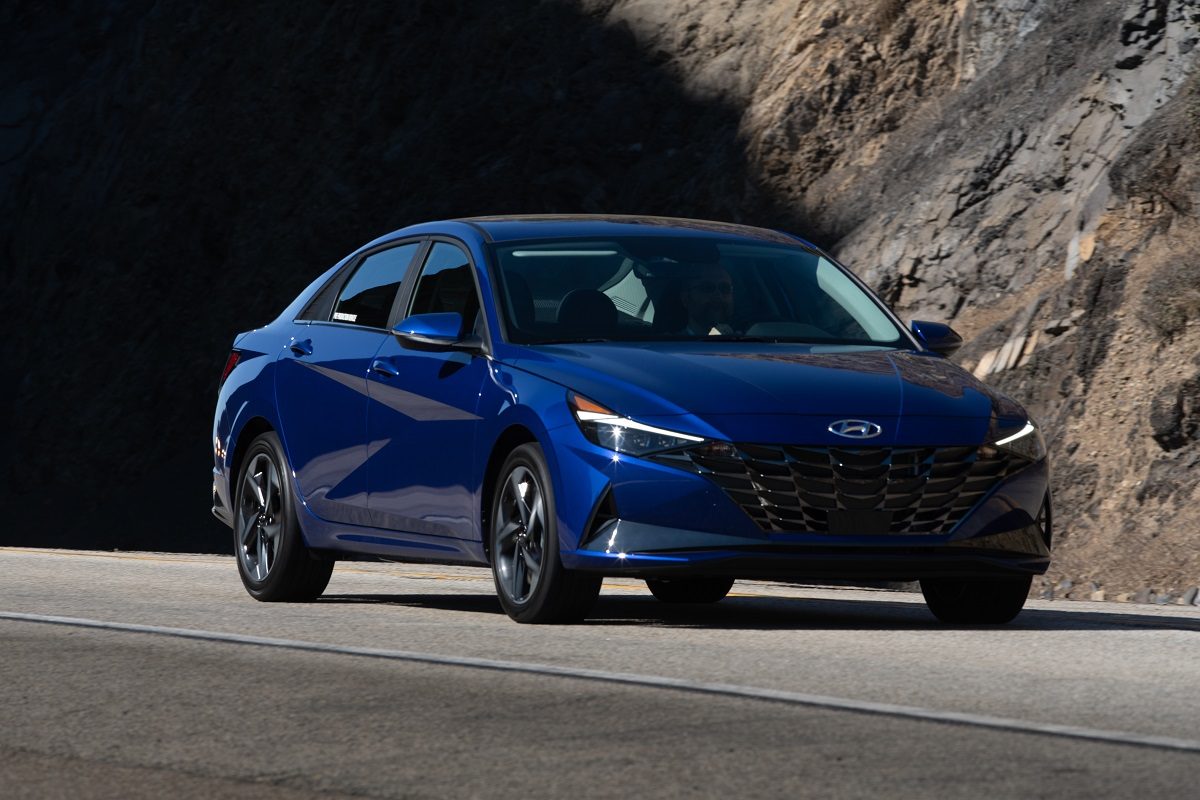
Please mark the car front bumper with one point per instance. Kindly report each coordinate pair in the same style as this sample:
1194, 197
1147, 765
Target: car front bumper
637, 550
670, 522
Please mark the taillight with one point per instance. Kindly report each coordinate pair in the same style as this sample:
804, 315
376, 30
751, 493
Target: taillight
230, 363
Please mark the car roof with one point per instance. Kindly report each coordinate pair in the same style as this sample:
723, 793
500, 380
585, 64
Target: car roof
552, 226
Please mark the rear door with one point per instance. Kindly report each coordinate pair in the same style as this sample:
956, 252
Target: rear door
321, 385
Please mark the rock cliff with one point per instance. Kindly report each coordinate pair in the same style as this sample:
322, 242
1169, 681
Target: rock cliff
1028, 171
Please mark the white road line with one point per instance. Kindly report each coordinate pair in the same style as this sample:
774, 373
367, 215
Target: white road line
633, 679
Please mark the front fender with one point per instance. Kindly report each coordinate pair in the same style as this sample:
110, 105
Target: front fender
517, 399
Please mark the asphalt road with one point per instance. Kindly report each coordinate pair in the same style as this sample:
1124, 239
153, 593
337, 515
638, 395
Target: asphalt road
148, 675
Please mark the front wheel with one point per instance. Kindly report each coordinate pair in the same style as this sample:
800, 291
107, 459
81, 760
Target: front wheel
272, 558
976, 602
531, 582
690, 590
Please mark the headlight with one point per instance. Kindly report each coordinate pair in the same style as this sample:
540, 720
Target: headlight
605, 428
1026, 441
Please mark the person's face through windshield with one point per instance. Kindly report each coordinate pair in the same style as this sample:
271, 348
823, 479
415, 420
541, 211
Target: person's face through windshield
708, 298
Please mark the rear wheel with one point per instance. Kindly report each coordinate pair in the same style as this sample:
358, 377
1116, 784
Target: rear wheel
690, 590
976, 602
531, 582
272, 558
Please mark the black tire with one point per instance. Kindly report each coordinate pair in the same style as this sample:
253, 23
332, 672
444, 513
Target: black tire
690, 590
976, 602
524, 535
274, 562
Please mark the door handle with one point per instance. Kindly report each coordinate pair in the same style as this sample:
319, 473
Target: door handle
302, 348
384, 368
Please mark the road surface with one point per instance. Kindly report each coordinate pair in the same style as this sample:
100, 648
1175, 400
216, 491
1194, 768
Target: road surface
150, 675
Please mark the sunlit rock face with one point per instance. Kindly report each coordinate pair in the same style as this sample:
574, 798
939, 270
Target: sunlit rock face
1026, 171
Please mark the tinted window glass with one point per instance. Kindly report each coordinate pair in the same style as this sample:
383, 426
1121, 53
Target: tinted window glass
649, 288
446, 284
367, 297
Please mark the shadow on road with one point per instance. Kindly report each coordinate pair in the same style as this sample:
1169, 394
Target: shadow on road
477, 603
783, 613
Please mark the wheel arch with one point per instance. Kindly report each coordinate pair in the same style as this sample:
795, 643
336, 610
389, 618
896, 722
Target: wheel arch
509, 439
254, 427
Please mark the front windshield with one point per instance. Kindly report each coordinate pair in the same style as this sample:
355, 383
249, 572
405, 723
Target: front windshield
663, 288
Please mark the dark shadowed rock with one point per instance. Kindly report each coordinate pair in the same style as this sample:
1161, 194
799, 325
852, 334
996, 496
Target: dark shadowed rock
1175, 415
186, 170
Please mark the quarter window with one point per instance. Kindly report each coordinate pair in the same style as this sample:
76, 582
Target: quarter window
367, 297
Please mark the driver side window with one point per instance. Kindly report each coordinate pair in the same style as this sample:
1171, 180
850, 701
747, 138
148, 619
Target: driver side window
447, 285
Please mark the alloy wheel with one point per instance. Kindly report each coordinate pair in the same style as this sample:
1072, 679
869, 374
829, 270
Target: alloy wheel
260, 517
520, 534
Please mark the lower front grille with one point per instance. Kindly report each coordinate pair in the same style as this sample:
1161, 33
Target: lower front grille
849, 490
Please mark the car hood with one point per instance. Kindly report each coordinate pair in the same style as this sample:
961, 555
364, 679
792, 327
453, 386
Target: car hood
721, 384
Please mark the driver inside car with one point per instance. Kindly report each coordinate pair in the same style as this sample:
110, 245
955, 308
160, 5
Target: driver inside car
708, 299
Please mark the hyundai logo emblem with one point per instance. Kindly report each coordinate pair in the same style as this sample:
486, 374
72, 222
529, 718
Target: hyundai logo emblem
855, 429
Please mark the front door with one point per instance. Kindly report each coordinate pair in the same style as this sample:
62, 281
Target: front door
422, 417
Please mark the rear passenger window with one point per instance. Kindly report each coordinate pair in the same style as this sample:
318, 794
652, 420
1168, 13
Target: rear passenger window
447, 284
367, 297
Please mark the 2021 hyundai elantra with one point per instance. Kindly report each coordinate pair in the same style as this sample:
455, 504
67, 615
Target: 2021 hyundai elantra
565, 398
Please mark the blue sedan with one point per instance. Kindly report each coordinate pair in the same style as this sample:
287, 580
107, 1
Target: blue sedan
563, 398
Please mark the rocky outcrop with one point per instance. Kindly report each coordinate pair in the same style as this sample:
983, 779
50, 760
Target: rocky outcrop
1060, 235
1035, 184
1027, 171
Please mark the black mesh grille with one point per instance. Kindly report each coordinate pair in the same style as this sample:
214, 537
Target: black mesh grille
852, 490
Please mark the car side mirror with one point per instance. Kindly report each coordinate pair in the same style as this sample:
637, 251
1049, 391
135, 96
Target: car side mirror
436, 332
939, 338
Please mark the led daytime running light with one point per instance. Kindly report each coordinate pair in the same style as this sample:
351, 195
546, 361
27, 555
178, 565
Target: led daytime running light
1028, 429
623, 422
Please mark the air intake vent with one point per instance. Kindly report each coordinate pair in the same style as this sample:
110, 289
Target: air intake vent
604, 513
851, 490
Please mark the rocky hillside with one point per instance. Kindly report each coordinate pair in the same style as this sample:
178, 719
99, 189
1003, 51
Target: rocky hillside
170, 174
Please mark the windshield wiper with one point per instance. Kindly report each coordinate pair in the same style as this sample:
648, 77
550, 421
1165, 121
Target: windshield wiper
571, 341
805, 340
736, 338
